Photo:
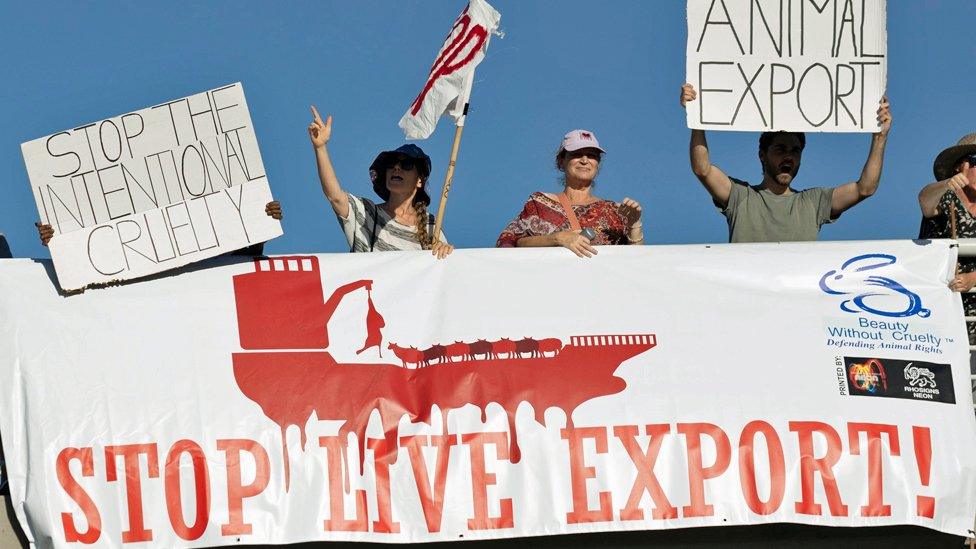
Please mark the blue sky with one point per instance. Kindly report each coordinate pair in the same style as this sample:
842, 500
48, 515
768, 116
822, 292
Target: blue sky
614, 68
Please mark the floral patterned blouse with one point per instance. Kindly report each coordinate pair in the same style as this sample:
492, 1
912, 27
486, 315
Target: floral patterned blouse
940, 226
542, 215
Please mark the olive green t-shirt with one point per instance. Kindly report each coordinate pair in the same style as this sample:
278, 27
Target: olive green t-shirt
759, 215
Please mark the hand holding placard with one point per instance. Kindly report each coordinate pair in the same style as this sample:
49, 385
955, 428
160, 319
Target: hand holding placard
688, 94
46, 232
273, 209
884, 116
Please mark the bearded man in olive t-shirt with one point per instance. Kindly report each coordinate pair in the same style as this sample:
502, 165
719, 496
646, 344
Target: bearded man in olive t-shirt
773, 211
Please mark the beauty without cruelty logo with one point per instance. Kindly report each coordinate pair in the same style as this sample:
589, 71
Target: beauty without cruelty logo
885, 296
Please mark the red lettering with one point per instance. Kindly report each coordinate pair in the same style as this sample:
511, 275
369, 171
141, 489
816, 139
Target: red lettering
922, 439
481, 480
697, 472
445, 63
431, 501
646, 479
337, 521
809, 465
174, 494
384, 523
78, 495
580, 472
747, 468
875, 506
237, 491
133, 483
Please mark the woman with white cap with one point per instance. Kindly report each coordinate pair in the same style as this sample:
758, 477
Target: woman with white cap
949, 211
401, 221
574, 218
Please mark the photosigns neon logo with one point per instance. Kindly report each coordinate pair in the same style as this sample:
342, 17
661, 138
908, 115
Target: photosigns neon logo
885, 297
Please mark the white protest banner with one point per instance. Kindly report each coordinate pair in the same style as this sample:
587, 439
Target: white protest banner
153, 189
333, 397
449, 81
792, 65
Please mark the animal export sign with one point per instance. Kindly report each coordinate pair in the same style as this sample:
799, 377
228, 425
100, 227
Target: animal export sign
331, 397
152, 189
796, 65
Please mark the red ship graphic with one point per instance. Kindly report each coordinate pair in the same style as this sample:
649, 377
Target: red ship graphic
283, 323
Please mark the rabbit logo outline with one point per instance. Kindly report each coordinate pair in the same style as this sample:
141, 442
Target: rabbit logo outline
861, 302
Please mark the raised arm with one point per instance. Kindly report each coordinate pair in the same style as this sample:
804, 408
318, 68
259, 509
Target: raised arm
850, 194
715, 181
319, 133
931, 194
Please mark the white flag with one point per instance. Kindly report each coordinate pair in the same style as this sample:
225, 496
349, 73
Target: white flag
449, 81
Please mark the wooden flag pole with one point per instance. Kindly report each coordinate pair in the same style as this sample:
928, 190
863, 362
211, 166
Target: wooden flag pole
952, 229
439, 222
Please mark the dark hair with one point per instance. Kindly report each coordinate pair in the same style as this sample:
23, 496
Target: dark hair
560, 155
766, 139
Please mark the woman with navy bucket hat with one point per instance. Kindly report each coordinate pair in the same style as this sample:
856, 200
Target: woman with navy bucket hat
401, 221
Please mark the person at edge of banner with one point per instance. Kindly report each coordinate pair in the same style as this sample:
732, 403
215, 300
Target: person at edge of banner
273, 209
773, 211
401, 222
575, 219
949, 211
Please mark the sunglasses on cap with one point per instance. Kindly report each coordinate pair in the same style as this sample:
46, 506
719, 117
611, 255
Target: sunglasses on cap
406, 163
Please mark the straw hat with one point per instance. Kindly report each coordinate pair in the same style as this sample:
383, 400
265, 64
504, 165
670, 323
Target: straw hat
945, 164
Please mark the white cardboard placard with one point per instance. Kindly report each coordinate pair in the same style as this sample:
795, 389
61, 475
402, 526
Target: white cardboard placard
794, 65
153, 189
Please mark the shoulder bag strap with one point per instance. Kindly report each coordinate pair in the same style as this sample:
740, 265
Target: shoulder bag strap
372, 236
570, 214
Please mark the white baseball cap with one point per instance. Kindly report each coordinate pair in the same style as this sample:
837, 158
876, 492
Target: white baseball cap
580, 139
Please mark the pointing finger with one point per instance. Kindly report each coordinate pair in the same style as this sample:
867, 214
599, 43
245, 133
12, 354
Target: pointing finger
315, 115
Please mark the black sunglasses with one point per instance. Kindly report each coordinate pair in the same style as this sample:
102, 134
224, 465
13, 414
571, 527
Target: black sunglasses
593, 155
406, 163
971, 158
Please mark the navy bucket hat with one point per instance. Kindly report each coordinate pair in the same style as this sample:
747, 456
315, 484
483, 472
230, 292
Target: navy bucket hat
377, 170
